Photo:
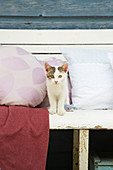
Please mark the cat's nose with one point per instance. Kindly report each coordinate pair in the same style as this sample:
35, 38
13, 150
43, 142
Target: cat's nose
56, 82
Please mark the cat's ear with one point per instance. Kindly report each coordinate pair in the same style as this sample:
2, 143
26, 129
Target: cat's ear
65, 67
47, 67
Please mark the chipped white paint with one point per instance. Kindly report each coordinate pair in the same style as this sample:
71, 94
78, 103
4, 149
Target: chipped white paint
83, 119
83, 149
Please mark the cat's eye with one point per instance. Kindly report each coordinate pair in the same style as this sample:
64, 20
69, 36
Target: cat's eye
52, 76
60, 76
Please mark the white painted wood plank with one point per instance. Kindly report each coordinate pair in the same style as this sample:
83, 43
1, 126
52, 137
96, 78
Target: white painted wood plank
83, 119
56, 36
56, 48
83, 149
47, 56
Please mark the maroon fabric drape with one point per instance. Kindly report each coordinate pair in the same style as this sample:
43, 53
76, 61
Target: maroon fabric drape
24, 136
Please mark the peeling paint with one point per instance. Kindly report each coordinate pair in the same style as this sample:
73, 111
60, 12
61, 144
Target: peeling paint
69, 127
98, 127
83, 149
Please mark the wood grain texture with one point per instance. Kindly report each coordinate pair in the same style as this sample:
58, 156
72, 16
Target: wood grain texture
49, 14
56, 22
83, 149
56, 8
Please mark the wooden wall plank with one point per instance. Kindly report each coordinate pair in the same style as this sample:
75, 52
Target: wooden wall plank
49, 14
56, 8
56, 22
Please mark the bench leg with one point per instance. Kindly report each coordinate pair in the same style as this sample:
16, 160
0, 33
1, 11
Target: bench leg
83, 149
75, 149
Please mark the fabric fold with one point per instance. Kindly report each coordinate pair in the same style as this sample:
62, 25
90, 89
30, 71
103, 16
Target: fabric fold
24, 136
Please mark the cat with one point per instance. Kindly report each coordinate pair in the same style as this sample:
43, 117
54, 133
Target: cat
57, 88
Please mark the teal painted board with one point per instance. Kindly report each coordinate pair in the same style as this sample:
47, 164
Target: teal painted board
56, 7
55, 23
56, 14
105, 168
101, 161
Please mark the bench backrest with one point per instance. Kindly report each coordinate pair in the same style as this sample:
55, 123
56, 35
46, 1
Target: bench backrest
46, 43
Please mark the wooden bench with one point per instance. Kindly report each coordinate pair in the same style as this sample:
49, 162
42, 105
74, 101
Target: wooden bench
46, 43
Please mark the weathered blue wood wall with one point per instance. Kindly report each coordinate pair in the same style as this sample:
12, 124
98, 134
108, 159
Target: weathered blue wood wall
56, 14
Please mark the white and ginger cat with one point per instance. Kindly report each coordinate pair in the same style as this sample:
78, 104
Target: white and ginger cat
57, 88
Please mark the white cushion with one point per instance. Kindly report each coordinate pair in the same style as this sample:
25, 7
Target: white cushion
92, 79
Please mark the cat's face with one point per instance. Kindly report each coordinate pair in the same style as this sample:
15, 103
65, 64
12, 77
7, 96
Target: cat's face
56, 74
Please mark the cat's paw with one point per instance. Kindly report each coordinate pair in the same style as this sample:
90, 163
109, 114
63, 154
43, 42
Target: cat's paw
61, 112
52, 111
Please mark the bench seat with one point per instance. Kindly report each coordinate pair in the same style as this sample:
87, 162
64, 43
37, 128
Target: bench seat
83, 119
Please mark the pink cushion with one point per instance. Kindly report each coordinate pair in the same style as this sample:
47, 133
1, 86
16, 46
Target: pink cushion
22, 78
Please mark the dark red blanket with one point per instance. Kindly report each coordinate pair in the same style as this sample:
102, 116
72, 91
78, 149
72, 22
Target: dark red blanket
24, 135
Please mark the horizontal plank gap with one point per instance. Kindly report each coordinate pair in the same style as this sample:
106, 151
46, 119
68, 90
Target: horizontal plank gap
47, 53
59, 17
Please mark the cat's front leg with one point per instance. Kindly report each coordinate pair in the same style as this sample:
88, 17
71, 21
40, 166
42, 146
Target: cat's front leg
52, 100
67, 100
61, 101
